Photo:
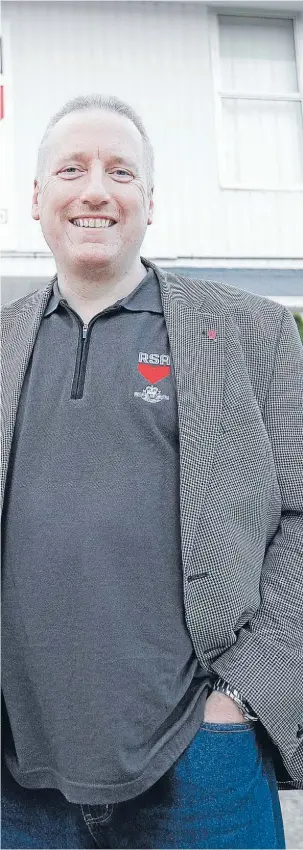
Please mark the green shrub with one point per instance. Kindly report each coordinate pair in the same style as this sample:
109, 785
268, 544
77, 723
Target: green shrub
299, 320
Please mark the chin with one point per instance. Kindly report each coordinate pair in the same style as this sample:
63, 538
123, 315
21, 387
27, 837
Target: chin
94, 258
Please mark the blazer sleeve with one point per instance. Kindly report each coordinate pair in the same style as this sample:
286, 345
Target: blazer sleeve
266, 661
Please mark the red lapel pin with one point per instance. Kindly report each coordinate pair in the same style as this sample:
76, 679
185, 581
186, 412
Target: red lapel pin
211, 334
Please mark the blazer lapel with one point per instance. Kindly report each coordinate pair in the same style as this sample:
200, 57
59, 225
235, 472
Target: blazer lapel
197, 342
22, 332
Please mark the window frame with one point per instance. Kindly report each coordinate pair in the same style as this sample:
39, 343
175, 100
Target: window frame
219, 96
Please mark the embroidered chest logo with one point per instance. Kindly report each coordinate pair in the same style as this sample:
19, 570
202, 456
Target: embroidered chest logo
153, 367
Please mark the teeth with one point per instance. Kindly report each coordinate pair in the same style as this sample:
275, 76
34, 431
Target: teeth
93, 222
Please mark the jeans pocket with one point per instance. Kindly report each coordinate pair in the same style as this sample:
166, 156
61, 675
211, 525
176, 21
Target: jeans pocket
242, 726
225, 755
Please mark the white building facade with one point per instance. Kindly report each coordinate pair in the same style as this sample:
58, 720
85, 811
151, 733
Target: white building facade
219, 87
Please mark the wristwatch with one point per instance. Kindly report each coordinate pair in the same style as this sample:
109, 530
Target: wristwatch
224, 688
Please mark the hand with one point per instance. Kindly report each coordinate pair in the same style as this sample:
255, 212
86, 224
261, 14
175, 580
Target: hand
219, 708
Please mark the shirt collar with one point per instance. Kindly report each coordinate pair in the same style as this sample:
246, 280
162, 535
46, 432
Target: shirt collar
145, 297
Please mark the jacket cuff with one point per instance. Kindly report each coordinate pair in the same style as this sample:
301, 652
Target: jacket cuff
248, 666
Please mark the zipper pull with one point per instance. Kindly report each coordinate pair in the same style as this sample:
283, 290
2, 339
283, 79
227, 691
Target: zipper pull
84, 331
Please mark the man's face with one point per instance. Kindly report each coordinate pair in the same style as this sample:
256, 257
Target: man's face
94, 169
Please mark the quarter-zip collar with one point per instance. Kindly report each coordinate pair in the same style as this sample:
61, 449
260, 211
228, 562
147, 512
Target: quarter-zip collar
146, 296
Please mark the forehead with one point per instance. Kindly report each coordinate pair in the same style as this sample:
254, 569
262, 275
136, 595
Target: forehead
94, 132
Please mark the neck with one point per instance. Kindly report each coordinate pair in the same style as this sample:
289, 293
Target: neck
90, 296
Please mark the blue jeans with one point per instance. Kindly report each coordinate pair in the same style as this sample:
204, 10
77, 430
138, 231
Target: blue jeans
221, 792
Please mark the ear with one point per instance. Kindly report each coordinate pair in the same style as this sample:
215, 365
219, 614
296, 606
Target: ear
151, 209
35, 205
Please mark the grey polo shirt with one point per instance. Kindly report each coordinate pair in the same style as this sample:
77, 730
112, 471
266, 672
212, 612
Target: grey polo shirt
101, 684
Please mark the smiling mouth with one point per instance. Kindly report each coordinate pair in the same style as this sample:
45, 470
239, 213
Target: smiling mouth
93, 223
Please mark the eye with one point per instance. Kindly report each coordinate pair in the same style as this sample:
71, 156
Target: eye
122, 173
71, 171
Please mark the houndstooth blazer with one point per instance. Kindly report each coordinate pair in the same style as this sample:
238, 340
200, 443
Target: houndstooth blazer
238, 363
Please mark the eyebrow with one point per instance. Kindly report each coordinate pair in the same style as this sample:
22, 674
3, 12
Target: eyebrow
81, 155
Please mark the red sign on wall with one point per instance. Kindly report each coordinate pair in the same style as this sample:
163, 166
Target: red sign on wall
1, 102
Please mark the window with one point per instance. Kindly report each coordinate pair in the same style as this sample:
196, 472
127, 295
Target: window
259, 103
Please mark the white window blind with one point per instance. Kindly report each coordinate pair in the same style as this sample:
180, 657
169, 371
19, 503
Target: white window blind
261, 102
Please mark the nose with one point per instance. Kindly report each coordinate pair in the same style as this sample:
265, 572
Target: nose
95, 190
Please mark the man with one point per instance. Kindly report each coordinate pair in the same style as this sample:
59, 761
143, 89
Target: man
152, 536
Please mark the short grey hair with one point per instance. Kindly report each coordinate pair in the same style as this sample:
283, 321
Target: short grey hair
108, 103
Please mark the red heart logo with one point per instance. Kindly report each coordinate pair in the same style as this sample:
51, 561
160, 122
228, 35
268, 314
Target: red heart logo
153, 374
